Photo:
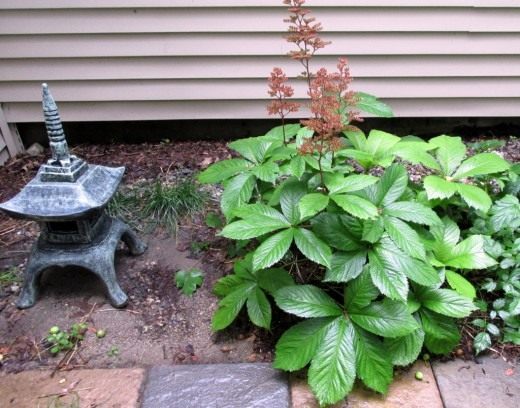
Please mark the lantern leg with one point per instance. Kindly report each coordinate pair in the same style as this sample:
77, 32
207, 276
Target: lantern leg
107, 273
30, 288
132, 241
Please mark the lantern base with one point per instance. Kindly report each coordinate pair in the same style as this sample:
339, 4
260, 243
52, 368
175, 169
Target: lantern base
97, 257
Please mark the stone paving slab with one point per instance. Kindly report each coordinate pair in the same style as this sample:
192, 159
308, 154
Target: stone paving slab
216, 386
112, 388
464, 384
404, 392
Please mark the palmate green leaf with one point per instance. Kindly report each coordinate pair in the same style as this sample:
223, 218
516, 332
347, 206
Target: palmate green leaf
416, 153
387, 318
252, 227
468, 254
404, 237
290, 197
262, 210
189, 280
446, 302
331, 229
450, 151
357, 138
267, 172
392, 185
405, 350
237, 193
373, 230
336, 183
273, 279
272, 249
312, 204
474, 197
312, 247
298, 344
371, 104
441, 332
223, 170
276, 133
437, 187
446, 237
412, 212
379, 143
461, 285
345, 266
391, 281
372, 363
224, 286
259, 308
360, 292
357, 206
505, 213
483, 163
297, 166
333, 368
230, 306
365, 159
254, 148
306, 301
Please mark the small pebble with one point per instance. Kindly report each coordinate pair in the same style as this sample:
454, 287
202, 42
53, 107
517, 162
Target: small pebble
419, 376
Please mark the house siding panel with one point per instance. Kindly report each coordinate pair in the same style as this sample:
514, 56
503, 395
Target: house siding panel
184, 59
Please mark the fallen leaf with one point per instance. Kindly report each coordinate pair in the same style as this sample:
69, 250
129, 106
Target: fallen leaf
509, 372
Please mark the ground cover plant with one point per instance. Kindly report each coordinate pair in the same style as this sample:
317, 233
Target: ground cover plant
385, 260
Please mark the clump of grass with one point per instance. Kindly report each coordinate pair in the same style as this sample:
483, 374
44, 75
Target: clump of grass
165, 204
146, 206
9, 276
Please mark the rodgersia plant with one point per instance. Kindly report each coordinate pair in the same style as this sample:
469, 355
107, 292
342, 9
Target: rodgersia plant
380, 279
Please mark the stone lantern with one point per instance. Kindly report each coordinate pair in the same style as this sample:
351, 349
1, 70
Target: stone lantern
68, 198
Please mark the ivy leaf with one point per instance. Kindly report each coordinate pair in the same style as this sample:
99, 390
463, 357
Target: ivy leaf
387, 318
461, 285
312, 247
333, 368
189, 280
306, 301
357, 206
272, 249
446, 302
405, 350
258, 308
298, 344
483, 163
404, 237
450, 152
345, 266
392, 185
360, 292
441, 332
223, 170
481, 342
412, 212
505, 213
372, 364
290, 196
237, 193
474, 197
230, 306
273, 279
312, 204
437, 187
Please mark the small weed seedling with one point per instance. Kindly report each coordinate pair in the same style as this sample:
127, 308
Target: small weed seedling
113, 351
9, 276
188, 281
63, 340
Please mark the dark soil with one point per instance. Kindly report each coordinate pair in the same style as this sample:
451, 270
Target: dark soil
160, 325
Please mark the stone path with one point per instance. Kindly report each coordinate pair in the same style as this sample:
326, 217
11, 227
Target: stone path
456, 384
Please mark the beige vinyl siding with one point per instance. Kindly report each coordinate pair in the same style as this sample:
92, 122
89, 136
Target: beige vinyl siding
186, 59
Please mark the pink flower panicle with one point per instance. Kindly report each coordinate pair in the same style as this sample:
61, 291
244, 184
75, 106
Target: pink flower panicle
279, 90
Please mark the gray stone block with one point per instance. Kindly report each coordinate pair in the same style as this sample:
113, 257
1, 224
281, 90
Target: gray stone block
464, 384
216, 386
